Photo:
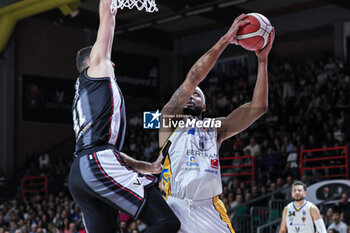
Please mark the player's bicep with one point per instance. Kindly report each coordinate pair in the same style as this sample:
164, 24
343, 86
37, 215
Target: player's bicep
237, 121
102, 48
315, 213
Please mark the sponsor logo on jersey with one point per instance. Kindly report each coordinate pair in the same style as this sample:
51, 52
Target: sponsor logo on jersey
303, 218
192, 162
151, 120
165, 175
136, 182
215, 163
211, 171
304, 212
202, 154
205, 142
192, 131
192, 169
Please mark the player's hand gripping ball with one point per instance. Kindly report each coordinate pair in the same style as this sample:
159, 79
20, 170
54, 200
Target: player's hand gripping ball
254, 35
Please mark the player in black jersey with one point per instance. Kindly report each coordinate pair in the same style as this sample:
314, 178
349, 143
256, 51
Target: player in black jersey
102, 179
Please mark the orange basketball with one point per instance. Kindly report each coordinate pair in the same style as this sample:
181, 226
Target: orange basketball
255, 35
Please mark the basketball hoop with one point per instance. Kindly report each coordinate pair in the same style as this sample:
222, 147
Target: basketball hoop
149, 5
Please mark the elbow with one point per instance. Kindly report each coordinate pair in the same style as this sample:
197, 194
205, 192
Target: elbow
261, 110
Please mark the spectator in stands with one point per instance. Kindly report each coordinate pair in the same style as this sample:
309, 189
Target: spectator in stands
81, 227
75, 213
123, 227
231, 200
344, 207
247, 196
253, 147
343, 203
338, 225
44, 161
342, 217
255, 191
263, 190
336, 133
72, 228
325, 193
238, 201
279, 183
292, 162
34, 228
278, 195
238, 143
327, 218
233, 185
287, 187
287, 146
241, 209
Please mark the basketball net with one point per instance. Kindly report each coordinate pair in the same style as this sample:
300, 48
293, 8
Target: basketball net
149, 5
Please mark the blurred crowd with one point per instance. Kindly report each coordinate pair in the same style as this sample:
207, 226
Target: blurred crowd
56, 214
308, 108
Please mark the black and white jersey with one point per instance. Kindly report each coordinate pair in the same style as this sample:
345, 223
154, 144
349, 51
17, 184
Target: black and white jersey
98, 112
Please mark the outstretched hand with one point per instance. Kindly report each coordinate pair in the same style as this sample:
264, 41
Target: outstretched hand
262, 54
237, 23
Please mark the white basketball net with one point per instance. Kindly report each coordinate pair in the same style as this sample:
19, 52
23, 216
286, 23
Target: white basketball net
149, 5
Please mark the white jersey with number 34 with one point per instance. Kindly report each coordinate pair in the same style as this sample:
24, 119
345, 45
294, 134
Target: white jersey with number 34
299, 219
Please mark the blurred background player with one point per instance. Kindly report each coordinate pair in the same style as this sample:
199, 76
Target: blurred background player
101, 180
301, 215
191, 170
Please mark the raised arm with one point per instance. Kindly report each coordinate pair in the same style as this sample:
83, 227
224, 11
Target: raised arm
245, 115
197, 74
100, 57
283, 227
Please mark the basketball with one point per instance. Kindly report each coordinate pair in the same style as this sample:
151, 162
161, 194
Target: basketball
255, 35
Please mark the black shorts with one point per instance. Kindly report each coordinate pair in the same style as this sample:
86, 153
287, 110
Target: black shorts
101, 183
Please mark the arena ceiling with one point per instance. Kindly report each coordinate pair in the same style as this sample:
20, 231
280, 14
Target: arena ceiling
178, 18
